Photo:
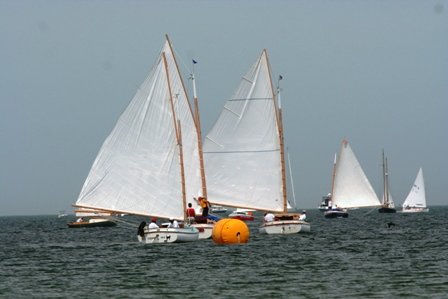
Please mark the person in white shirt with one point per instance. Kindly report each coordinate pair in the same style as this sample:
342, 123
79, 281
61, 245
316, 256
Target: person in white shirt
303, 216
173, 223
268, 217
153, 224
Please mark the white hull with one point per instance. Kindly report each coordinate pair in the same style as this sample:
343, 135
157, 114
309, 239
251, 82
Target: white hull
169, 235
415, 210
285, 227
219, 209
205, 230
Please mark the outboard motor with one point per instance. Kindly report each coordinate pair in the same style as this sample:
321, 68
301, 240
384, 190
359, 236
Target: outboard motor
140, 231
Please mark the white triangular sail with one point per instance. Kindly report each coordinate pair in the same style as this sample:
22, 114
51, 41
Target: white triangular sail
351, 187
137, 170
417, 195
242, 150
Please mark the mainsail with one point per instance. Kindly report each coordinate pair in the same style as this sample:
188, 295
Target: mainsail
417, 195
138, 169
242, 151
351, 188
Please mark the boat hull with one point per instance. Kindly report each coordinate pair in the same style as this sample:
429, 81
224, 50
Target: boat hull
387, 210
92, 223
205, 230
415, 210
323, 208
169, 235
243, 216
336, 214
284, 227
219, 209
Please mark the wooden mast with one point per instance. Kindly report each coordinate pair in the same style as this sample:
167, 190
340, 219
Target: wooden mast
195, 119
178, 137
199, 131
278, 113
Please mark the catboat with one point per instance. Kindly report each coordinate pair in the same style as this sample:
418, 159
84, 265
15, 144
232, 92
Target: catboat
350, 187
151, 162
244, 150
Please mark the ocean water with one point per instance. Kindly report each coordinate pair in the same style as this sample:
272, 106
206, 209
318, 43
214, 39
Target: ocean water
357, 257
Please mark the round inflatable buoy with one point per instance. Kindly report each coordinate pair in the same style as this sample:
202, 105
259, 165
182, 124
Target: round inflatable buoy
230, 231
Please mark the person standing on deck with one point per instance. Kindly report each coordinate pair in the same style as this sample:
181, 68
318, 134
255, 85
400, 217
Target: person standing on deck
190, 213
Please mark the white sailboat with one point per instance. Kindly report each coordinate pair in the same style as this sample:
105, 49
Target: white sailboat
149, 164
387, 204
416, 200
244, 152
351, 188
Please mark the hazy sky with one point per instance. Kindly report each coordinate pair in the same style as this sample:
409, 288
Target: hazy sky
375, 72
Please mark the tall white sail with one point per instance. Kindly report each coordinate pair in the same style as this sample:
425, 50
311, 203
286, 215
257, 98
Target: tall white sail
351, 187
137, 170
242, 150
417, 195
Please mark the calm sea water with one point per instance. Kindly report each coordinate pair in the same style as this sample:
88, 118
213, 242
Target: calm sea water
358, 257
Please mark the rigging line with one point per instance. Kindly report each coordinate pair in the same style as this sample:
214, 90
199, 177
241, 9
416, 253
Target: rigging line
129, 223
367, 213
181, 60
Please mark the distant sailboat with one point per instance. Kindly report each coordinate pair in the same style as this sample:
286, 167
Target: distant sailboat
149, 165
92, 218
351, 188
325, 204
387, 205
244, 152
243, 214
416, 200
62, 214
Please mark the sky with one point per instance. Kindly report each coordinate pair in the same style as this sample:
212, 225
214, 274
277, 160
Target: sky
374, 72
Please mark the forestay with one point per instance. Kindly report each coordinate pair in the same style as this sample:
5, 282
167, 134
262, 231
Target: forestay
137, 170
242, 150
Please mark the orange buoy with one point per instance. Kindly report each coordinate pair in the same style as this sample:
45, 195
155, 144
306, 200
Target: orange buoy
230, 231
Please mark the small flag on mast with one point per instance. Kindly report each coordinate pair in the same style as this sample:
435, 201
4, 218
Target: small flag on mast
280, 77
194, 61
